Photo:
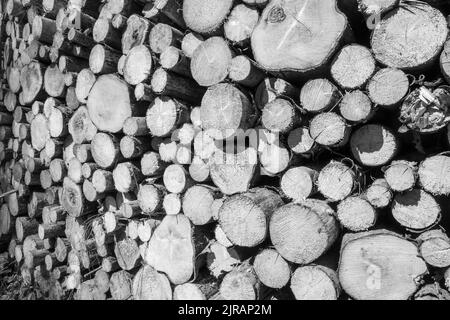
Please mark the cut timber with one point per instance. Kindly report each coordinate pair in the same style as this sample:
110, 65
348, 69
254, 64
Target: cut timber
173, 59
379, 265
388, 87
25, 227
274, 157
199, 170
136, 32
138, 65
272, 270
197, 202
301, 233
176, 179
233, 173
356, 107
329, 129
135, 126
190, 42
32, 82
299, 183
134, 147
104, 32
416, 210
109, 103
54, 82
43, 29
81, 127
353, 66
245, 72
244, 218
373, 145
336, 181
399, 42
103, 60
379, 194
150, 197
211, 61
356, 214
206, 16
174, 248
315, 282
224, 110
127, 253
120, 285
298, 35
127, 177
376, 7
240, 24
103, 181
170, 84
319, 95
192, 291
163, 36
73, 200
172, 204
171, 9
152, 165
300, 142
105, 150
148, 284
240, 284
434, 247
164, 115
40, 132
433, 175
85, 82
401, 175
280, 116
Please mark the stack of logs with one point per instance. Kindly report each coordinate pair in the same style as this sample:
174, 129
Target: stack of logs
220, 149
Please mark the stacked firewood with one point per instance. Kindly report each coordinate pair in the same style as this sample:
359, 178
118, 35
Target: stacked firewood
220, 149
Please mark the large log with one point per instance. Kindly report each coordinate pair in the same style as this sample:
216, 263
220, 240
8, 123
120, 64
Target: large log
298, 35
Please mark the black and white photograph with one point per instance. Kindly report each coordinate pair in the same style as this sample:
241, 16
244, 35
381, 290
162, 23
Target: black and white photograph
243, 153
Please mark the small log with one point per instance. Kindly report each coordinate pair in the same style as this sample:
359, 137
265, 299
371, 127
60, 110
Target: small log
134, 147
104, 32
25, 227
73, 200
280, 116
373, 145
240, 24
152, 165
45, 179
57, 170
127, 253
109, 103
353, 66
148, 284
81, 127
300, 141
356, 107
172, 204
80, 38
103, 181
293, 230
391, 39
150, 197
85, 81
109, 264
144, 92
211, 61
206, 21
54, 230
315, 282
163, 36
165, 115
135, 127
432, 175
245, 72
244, 218
120, 285
103, 60
379, 194
190, 42
445, 61
329, 129
319, 95
138, 65
54, 82
83, 152
272, 270
362, 266
136, 33
105, 150
170, 84
197, 203
401, 175
240, 284
74, 170
299, 183
43, 29
171, 9
174, 60
199, 170
336, 181
388, 87
127, 177
32, 81
356, 214
434, 247
416, 210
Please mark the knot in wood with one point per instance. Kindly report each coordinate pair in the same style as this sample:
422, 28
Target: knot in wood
276, 15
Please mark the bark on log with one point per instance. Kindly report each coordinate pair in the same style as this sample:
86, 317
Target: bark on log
103, 60
136, 33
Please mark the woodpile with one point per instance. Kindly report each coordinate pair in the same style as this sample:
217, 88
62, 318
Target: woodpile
219, 149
